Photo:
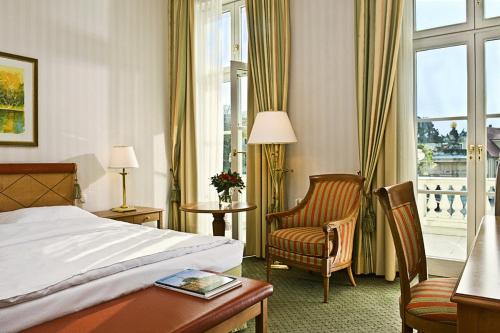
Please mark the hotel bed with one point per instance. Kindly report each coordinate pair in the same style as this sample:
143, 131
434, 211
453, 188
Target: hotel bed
58, 259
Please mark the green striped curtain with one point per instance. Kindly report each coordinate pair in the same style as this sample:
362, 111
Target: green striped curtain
378, 34
268, 66
182, 132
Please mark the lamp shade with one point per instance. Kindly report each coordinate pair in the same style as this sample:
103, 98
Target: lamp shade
123, 157
272, 127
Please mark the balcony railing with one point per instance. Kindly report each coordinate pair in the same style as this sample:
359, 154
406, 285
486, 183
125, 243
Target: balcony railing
443, 204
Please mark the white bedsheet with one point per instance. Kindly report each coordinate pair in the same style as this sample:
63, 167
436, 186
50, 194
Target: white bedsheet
62, 265
27, 314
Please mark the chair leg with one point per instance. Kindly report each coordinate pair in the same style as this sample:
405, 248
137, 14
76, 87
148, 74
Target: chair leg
406, 329
326, 287
351, 277
268, 267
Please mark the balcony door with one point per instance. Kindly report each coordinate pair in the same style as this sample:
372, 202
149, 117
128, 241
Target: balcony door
457, 107
238, 141
234, 97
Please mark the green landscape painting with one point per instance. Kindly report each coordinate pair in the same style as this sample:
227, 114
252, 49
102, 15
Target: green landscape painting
11, 100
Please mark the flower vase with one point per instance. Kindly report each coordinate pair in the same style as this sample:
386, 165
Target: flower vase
225, 198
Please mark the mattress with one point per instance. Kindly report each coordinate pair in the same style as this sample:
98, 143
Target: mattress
75, 297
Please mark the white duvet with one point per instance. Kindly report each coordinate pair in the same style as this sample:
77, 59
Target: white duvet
45, 250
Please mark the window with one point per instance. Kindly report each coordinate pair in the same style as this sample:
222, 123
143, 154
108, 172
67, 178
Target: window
235, 48
457, 109
438, 13
234, 92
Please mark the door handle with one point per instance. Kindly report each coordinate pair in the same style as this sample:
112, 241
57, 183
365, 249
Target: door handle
235, 152
479, 152
472, 151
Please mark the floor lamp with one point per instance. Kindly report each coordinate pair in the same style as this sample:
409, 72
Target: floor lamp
271, 129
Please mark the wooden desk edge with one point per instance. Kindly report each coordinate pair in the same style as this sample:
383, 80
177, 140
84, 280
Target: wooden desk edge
471, 300
482, 302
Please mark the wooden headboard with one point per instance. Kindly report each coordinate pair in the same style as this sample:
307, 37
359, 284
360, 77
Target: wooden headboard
36, 184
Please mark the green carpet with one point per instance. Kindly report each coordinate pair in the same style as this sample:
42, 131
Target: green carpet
297, 302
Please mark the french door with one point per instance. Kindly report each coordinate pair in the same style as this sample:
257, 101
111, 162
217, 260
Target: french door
239, 138
487, 119
457, 103
235, 139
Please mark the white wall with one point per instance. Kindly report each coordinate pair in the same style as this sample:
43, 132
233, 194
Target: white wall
102, 82
322, 92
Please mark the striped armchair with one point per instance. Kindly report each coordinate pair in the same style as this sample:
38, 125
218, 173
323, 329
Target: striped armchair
318, 234
426, 305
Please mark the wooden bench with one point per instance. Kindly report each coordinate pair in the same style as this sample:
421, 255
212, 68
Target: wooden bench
160, 310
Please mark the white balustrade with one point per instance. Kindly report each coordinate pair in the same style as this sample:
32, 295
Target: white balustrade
451, 213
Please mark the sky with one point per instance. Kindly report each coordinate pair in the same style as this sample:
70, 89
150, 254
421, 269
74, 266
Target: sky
441, 74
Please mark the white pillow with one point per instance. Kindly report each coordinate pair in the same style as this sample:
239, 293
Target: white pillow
37, 214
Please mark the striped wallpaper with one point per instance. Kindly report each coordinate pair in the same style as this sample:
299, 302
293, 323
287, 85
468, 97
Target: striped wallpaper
102, 82
322, 92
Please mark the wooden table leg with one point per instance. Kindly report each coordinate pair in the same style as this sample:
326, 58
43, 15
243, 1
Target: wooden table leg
261, 319
159, 223
219, 224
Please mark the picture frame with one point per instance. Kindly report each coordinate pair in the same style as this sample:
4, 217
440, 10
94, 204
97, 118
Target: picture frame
18, 100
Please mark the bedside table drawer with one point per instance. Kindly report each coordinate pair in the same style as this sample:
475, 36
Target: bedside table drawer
129, 219
146, 218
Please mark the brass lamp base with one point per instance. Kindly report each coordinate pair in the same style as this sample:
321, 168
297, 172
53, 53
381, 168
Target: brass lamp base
123, 209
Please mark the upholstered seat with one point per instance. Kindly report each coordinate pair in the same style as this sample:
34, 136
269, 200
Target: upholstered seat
318, 234
425, 306
309, 241
430, 299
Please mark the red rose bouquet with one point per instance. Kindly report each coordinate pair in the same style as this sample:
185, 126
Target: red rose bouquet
224, 182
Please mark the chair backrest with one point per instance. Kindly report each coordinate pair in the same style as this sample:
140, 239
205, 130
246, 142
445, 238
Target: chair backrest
497, 193
329, 198
398, 202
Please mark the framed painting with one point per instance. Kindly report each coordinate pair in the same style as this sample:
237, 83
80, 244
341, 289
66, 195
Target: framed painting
18, 100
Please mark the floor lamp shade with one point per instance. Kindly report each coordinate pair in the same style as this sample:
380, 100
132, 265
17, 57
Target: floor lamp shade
272, 127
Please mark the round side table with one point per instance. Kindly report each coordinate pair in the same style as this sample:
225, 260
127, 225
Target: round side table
218, 224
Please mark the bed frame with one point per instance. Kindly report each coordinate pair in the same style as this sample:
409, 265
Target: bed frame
36, 184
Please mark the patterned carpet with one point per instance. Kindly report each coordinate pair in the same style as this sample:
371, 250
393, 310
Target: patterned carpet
297, 302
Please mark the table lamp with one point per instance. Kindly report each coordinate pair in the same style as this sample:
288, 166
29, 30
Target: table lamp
123, 157
272, 128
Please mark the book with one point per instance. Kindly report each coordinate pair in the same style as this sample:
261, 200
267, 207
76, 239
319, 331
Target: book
199, 283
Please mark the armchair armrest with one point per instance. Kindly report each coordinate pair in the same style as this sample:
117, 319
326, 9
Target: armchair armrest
276, 216
332, 225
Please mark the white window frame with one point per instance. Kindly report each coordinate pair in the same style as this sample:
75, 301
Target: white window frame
467, 25
231, 74
234, 7
482, 22
471, 33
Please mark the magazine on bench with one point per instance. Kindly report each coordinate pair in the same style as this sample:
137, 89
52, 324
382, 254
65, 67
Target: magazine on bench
199, 283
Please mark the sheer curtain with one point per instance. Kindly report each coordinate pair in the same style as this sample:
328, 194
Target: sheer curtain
209, 121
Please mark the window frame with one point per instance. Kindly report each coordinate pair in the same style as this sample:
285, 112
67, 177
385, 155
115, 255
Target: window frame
447, 29
470, 33
480, 21
234, 8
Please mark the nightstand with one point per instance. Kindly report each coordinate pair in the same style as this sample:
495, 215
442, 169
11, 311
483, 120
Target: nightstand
139, 216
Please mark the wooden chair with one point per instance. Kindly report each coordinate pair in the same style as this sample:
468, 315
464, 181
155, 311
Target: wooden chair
317, 235
425, 306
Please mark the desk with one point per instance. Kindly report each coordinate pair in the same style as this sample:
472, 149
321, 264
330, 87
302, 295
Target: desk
154, 310
478, 289
218, 225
